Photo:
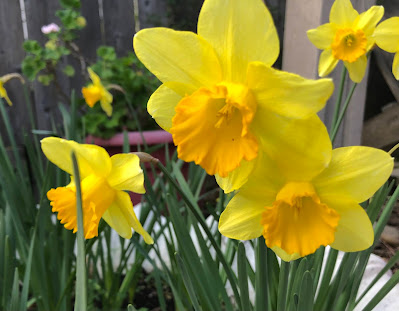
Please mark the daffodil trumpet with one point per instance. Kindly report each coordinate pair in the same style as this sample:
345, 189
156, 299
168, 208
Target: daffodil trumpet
104, 182
4, 79
220, 98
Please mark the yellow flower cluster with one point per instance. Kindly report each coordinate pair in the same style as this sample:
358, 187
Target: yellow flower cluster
252, 126
255, 127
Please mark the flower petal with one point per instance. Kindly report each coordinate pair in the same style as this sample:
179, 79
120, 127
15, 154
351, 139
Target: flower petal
236, 178
301, 148
94, 77
92, 159
369, 19
387, 35
354, 232
327, 63
179, 56
395, 66
322, 36
121, 217
3, 94
357, 69
241, 219
161, 106
354, 172
286, 93
106, 100
241, 32
342, 13
126, 173
284, 255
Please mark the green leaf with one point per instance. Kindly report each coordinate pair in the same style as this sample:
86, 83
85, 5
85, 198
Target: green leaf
32, 46
45, 79
31, 66
69, 70
107, 53
73, 4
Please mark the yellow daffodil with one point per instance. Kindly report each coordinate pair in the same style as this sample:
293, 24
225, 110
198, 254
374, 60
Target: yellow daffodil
387, 38
220, 98
299, 208
103, 181
347, 37
4, 79
97, 92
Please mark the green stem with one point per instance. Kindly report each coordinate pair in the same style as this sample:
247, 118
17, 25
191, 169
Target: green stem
342, 114
261, 279
186, 199
337, 106
283, 285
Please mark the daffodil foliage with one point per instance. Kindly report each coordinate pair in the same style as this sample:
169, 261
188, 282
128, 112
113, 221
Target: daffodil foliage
222, 101
104, 181
347, 37
298, 209
97, 92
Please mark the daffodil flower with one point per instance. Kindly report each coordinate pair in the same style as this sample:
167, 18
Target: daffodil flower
298, 209
347, 37
220, 98
387, 38
103, 181
4, 79
97, 92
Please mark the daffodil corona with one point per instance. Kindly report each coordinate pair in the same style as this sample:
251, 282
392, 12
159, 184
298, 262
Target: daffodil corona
347, 37
97, 92
298, 209
104, 180
387, 38
220, 98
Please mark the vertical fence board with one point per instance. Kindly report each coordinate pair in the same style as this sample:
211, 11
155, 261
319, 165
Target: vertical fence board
11, 55
153, 13
119, 25
301, 57
46, 98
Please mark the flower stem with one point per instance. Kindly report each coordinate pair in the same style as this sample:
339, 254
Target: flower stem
342, 114
338, 102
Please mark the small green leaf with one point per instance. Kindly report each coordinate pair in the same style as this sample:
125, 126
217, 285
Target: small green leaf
32, 46
69, 71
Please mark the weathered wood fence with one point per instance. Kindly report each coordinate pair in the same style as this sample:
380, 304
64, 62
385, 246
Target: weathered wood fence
114, 22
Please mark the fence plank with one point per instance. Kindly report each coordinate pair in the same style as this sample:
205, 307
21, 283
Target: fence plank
301, 57
119, 25
153, 13
11, 55
46, 98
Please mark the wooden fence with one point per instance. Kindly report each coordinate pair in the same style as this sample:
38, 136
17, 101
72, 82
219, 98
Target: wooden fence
114, 22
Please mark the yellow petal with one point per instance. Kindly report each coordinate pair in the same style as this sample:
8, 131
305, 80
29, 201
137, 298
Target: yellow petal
106, 100
327, 63
322, 36
357, 69
121, 217
342, 13
301, 148
236, 178
3, 94
92, 159
241, 219
354, 232
284, 255
395, 66
126, 173
286, 93
354, 172
161, 106
241, 32
94, 77
387, 35
369, 19
179, 56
